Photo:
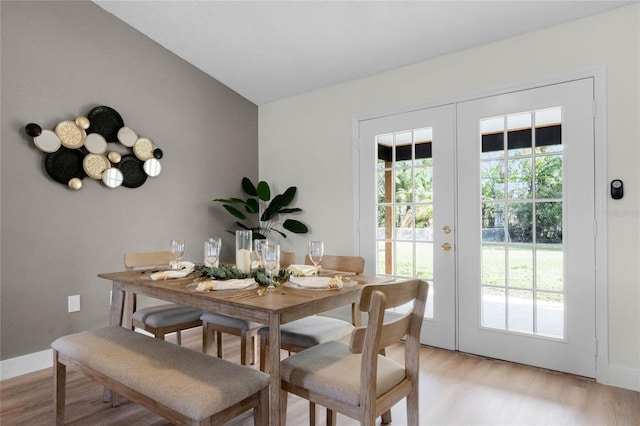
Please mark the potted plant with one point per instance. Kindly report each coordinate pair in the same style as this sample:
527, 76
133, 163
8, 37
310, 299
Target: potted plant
262, 213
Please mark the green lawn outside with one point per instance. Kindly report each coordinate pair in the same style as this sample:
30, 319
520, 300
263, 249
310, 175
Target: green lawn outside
549, 264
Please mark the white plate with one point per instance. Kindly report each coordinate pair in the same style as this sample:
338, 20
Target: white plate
194, 287
316, 283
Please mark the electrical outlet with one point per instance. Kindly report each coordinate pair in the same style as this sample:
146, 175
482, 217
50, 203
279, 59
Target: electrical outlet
74, 303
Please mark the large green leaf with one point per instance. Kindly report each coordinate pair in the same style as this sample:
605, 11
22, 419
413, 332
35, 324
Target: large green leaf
264, 192
229, 200
287, 196
248, 187
258, 236
289, 210
295, 226
234, 212
252, 206
279, 232
272, 208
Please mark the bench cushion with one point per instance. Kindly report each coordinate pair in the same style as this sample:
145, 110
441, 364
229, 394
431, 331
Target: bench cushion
311, 331
191, 383
166, 315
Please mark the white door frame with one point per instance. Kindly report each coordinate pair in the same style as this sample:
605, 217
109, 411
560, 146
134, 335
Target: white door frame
600, 178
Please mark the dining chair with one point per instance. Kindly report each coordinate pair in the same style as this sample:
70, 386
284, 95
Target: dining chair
214, 324
310, 331
355, 379
161, 319
353, 264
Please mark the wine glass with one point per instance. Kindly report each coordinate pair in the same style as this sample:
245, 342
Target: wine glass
211, 251
219, 241
257, 245
316, 251
271, 259
177, 250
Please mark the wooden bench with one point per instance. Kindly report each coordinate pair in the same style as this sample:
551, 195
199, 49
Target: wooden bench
184, 386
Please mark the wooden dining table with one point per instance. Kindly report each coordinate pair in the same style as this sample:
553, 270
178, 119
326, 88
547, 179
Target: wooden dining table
273, 308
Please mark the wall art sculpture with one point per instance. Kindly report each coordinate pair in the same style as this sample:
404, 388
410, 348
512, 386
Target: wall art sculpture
80, 148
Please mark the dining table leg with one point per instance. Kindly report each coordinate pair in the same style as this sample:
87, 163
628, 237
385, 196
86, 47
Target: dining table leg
116, 314
274, 370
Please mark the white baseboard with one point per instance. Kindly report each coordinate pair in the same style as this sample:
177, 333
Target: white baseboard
31, 362
25, 364
624, 377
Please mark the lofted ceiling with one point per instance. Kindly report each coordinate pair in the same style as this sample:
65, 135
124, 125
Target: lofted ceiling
270, 50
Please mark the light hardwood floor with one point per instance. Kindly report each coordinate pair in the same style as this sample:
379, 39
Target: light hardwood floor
455, 389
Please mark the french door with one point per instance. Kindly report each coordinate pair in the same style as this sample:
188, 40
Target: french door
491, 201
526, 232
407, 189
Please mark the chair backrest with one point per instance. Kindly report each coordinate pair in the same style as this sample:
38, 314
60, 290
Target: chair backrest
377, 334
287, 258
147, 259
353, 264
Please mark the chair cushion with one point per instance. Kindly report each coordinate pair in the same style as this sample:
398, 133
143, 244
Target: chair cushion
311, 331
166, 315
331, 369
192, 383
227, 321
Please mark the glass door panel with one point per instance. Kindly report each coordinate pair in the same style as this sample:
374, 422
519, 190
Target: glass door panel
413, 154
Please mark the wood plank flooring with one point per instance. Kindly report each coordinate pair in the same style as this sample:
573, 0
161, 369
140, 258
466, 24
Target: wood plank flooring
455, 389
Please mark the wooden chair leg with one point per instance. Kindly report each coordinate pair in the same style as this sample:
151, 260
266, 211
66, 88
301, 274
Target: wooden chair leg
219, 343
243, 347
264, 348
283, 407
413, 408
179, 337
206, 333
261, 412
254, 349
331, 417
312, 414
59, 388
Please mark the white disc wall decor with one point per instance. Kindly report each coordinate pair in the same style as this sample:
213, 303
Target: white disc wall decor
79, 148
152, 167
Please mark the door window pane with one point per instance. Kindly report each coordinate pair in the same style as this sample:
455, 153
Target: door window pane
522, 221
520, 181
405, 206
492, 180
494, 312
520, 311
520, 266
493, 265
549, 176
549, 268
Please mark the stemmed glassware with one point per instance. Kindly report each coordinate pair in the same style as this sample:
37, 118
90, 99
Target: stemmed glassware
212, 251
271, 259
316, 251
218, 240
177, 250
257, 246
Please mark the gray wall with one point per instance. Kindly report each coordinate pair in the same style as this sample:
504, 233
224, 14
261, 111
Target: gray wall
59, 60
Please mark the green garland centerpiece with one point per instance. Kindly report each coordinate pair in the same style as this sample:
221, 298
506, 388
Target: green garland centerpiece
227, 272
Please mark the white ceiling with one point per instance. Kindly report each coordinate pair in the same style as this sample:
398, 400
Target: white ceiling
269, 50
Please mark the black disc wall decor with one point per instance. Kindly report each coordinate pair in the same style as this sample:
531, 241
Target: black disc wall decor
68, 160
